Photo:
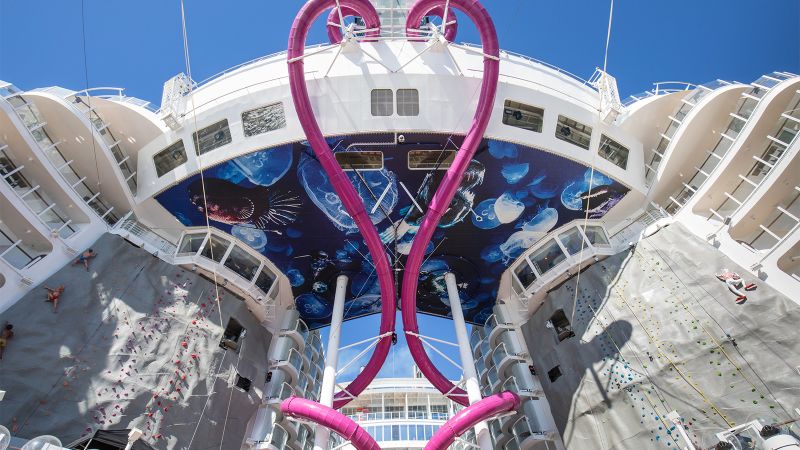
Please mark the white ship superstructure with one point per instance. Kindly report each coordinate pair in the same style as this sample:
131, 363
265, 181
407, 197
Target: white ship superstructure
580, 246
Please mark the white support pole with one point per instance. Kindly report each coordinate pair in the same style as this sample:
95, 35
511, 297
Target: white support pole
467, 362
322, 435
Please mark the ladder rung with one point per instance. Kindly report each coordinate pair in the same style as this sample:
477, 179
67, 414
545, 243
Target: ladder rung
672, 199
749, 181
783, 210
29, 191
46, 209
13, 172
78, 182
716, 214
777, 141
768, 231
732, 198
762, 161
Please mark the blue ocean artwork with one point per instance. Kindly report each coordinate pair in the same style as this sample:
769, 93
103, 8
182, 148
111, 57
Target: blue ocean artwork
279, 201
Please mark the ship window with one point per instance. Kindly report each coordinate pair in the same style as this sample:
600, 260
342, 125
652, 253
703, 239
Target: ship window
597, 236
523, 116
263, 119
430, 159
407, 102
215, 248
191, 243
169, 158
561, 325
381, 102
572, 240
547, 256
366, 160
265, 280
525, 274
242, 262
573, 132
554, 374
613, 151
211, 137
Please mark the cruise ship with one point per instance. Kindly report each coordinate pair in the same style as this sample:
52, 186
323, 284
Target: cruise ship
614, 273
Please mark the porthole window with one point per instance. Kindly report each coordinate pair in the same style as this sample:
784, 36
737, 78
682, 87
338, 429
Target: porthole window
613, 151
430, 159
171, 157
382, 102
211, 137
523, 116
407, 102
573, 132
360, 160
263, 119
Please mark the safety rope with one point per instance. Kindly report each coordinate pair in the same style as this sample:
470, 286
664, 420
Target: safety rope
92, 130
591, 177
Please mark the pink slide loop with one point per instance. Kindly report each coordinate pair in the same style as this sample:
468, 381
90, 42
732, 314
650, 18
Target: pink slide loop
341, 183
470, 416
337, 422
438, 11
449, 184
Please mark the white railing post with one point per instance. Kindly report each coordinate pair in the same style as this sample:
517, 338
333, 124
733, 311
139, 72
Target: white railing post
322, 435
467, 362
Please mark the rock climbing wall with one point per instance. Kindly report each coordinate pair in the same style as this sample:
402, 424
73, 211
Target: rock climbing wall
135, 342
657, 332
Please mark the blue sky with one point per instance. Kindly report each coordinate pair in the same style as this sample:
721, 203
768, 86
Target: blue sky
138, 45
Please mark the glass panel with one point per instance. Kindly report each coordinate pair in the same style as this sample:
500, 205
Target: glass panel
407, 102
430, 159
170, 158
613, 151
525, 274
547, 257
211, 137
242, 262
596, 235
523, 116
381, 102
216, 248
572, 240
190, 244
361, 160
265, 280
264, 119
573, 132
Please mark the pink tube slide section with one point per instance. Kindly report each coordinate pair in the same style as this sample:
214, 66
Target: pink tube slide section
470, 416
341, 183
449, 184
438, 11
337, 422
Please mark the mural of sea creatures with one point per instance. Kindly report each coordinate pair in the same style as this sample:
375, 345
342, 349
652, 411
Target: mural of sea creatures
575, 193
600, 200
370, 184
459, 208
232, 204
532, 231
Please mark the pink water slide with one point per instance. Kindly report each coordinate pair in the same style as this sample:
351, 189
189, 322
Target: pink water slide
301, 408
339, 180
450, 182
470, 416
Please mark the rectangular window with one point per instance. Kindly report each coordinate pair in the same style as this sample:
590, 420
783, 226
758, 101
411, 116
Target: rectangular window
523, 116
525, 274
263, 119
547, 257
554, 374
265, 280
169, 158
407, 102
572, 240
211, 137
597, 236
561, 325
381, 102
430, 159
242, 262
230, 337
215, 248
191, 243
573, 132
366, 160
613, 151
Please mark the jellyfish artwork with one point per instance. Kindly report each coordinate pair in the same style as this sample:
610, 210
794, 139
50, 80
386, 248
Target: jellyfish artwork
530, 232
577, 195
255, 238
264, 167
493, 212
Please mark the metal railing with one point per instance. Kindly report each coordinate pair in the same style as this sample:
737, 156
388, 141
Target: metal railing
659, 88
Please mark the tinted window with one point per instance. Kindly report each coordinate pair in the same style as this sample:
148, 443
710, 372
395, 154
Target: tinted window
169, 158
242, 262
525, 274
573, 132
212, 137
613, 151
367, 160
430, 159
547, 257
381, 102
523, 116
407, 102
263, 119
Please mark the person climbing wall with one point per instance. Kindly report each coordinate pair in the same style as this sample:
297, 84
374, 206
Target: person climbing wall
736, 284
